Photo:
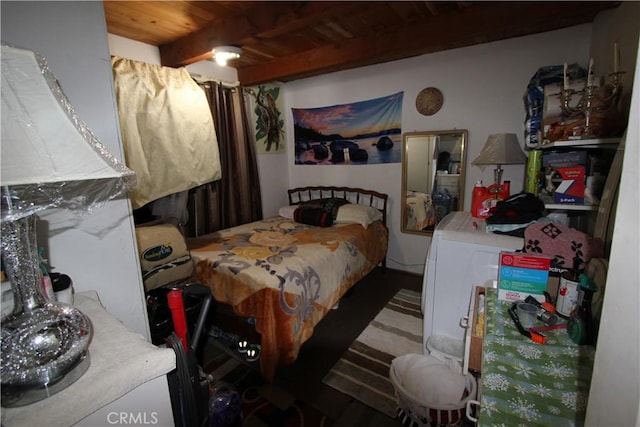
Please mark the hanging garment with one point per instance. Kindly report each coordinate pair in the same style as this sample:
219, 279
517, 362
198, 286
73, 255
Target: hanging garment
167, 130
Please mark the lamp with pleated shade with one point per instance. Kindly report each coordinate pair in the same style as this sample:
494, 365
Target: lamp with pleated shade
500, 149
50, 159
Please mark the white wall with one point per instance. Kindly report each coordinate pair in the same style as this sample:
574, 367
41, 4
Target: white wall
483, 88
614, 397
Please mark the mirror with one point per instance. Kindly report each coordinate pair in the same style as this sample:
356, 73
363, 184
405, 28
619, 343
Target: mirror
433, 166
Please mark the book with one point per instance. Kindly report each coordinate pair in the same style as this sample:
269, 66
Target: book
521, 275
571, 185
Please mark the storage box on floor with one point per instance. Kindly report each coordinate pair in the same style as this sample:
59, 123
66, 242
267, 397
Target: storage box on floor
429, 392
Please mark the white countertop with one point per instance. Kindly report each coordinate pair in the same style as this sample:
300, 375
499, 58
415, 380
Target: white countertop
121, 360
461, 226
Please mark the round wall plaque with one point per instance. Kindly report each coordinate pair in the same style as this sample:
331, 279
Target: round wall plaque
429, 101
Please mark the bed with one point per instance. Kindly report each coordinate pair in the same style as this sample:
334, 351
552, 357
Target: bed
286, 275
420, 212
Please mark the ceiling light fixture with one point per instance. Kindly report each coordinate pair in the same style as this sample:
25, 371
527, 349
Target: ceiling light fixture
224, 53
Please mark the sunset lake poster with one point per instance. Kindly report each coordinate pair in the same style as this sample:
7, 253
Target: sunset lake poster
359, 133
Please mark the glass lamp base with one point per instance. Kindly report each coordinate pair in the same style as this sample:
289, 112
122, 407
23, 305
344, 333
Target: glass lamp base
14, 396
43, 352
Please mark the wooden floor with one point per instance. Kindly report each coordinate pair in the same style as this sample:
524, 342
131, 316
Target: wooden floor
332, 336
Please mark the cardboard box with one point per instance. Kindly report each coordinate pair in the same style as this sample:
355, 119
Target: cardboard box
521, 275
570, 189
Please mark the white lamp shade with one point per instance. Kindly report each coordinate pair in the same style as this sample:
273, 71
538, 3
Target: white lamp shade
501, 149
49, 157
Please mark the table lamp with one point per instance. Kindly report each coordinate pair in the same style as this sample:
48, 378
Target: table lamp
50, 159
500, 149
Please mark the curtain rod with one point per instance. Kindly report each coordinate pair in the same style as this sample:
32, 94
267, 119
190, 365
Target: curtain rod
203, 79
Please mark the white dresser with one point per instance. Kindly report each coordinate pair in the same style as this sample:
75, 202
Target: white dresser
126, 382
462, 255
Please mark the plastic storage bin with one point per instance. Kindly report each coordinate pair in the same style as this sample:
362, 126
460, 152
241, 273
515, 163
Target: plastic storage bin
424, 413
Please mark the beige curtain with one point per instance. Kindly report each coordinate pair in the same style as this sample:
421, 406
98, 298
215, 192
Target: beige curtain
167, 130
235, 199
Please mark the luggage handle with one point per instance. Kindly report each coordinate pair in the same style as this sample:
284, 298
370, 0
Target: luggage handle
197, 289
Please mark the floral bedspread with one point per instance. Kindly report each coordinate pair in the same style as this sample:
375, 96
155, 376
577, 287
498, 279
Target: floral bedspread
286, 275
420, 212
529, 384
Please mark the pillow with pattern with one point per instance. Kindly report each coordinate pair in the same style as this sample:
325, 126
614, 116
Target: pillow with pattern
313, 216
329, 204
563, 244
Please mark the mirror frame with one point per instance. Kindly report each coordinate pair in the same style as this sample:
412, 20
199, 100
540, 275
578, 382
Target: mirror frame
431, 152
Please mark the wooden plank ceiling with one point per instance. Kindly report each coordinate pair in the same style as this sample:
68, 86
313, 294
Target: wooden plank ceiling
288, 40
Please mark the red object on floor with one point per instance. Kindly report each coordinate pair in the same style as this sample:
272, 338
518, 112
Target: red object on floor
176, 305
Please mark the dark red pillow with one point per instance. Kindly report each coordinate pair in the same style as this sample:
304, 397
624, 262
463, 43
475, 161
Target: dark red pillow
313, 216
328, 204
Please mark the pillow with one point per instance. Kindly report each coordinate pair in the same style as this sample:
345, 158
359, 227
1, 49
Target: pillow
329, 204
359, 214
313, 216
287, 211
562, 244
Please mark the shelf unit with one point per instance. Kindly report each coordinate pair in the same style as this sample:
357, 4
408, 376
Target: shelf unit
549, 204
582, 143
576, 143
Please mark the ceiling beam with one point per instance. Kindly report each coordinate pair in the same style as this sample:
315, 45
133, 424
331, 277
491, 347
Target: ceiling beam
267, 19
471, 25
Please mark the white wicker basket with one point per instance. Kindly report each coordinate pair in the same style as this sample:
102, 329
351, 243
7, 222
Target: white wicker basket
426, 414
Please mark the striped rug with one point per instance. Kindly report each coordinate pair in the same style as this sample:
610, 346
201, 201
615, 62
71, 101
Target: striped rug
363, 370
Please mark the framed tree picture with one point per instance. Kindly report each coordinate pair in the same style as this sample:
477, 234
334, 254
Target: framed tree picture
266, 116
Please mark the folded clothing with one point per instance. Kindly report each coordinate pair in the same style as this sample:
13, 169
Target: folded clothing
521, 208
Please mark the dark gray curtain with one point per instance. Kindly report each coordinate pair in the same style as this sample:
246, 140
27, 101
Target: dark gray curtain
235, 199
